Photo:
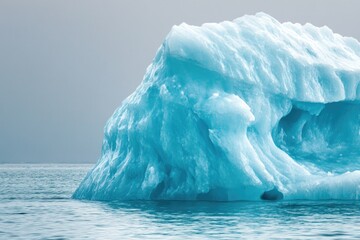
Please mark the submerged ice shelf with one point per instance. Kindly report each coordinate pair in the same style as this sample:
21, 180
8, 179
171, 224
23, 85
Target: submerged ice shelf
232, 110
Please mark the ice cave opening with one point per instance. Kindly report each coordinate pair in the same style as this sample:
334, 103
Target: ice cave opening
322, 136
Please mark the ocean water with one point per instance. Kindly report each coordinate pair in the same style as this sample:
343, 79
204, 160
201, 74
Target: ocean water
35, 203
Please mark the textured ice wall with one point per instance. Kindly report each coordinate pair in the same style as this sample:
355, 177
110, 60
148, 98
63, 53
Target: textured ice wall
228, 111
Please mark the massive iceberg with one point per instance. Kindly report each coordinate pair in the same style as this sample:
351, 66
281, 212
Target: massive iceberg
237, 111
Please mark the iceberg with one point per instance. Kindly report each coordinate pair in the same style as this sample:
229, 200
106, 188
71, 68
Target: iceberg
238, 110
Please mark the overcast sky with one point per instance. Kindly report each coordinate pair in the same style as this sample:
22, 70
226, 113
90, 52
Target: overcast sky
65, 66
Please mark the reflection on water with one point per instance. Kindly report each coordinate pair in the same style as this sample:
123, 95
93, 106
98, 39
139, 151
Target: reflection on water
35, 204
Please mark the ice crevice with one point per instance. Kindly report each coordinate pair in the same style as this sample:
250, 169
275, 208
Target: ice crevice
238, 110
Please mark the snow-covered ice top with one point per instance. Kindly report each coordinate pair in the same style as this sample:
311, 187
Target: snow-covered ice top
229, 111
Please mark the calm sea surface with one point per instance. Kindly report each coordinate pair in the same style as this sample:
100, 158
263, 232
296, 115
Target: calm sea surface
35, 203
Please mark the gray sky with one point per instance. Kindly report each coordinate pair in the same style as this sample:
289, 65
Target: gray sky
66, 65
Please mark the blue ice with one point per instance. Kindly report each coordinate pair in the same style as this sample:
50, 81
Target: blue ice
229, 111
